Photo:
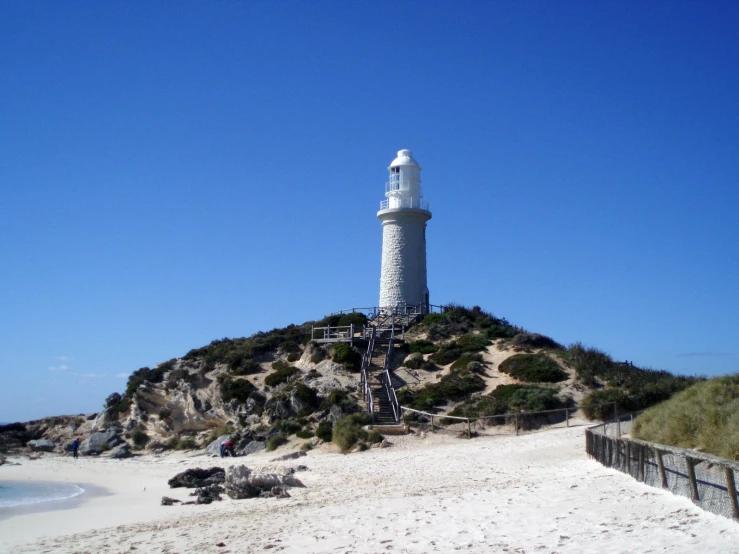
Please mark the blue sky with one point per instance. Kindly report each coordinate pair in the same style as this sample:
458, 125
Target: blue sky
177, 172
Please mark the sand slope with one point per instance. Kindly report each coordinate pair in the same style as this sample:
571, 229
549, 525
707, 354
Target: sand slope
533, 493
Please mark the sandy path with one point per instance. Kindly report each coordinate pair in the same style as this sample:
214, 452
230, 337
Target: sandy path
533, 493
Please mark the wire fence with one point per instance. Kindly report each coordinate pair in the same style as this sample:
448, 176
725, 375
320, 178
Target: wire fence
709, 481
503, 424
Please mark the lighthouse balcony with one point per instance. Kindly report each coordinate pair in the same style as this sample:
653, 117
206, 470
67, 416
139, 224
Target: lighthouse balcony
413, 203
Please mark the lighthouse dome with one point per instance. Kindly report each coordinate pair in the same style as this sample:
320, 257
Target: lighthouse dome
405, 157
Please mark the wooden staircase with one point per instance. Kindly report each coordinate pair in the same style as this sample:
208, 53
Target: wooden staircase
383, 409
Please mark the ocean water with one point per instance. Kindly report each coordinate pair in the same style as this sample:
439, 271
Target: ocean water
25, 493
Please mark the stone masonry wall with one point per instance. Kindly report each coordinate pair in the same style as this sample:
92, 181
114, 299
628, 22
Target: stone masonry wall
403, 275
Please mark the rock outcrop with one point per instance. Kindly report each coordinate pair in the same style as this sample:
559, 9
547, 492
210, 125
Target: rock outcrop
197, 477
100, 441
242, 482
41, 445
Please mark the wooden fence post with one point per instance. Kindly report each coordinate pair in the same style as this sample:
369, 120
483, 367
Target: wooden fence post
628, 456
731, 486
432, 424
661, 466
516, 424
567, 416
693, 481
641, 463
469, 430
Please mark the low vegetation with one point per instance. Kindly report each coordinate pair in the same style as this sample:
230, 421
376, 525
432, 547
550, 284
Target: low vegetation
348, 431
348, 356
453, 386
416, 361
275, 442
281, 374
235, 389
458, 320
704, 416
533, 368
631, 387
512, 398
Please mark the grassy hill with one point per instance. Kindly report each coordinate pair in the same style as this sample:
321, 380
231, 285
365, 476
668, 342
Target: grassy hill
704, 416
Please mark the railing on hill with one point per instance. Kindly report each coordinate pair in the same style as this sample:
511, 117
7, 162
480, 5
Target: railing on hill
387, 381
337, 334
364, 382
521, 421
401, 309
709, 481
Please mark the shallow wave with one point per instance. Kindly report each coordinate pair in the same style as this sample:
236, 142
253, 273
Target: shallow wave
15, 493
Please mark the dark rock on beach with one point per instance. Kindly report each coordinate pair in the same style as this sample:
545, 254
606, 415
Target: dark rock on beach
100, 442
167, 501
292, 456
208, 494
197, 477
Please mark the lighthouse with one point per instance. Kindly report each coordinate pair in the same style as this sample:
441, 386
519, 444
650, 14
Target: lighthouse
404, 214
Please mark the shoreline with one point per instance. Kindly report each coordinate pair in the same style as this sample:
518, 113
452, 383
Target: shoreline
89, 492
535, 492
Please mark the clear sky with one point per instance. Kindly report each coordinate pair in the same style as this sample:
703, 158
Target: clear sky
177, 172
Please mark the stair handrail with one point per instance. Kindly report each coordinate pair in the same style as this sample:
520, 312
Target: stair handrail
386, 377
366, 361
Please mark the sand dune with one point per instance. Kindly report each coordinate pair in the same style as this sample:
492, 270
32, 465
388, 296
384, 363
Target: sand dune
533, 493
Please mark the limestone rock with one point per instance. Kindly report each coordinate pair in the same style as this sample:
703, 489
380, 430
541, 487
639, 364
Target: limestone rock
252, 448
121, 452
41, 445
100, 441
197, 477
242, 482
167, 501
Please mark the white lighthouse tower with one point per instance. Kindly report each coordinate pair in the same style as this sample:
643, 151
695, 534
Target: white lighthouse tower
404, 214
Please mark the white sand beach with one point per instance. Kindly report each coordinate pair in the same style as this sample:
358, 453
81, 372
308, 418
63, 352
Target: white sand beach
533, 493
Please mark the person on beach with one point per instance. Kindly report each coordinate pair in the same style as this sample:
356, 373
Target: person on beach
227, 448
75, 447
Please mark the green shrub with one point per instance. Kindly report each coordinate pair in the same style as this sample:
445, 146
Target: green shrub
416, 361
340, 398
598, 403
506, 399
226, 350
641, 388
283, 372
348, 431
139, 438
275, 442
356, 318
465, 359
533, 368
293, 356
185, 443
306, 446
345, 354
472, 343
421, 346
147, 375
289, 427
306, 394
238, 389
318, 354
535, 340
457, 320
375, 437
245, 367
324, 430
304, 434
446, 354
453, 386
704, 416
